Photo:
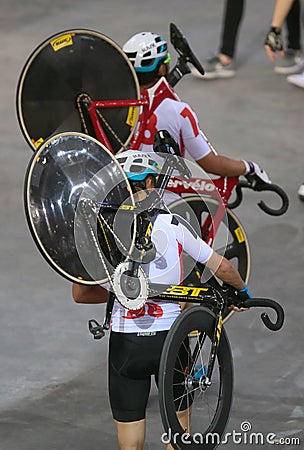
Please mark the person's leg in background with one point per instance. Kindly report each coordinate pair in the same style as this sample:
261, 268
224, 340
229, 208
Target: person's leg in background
232, 18
293, 61
222, 64
297, 76
293, 22
301, 192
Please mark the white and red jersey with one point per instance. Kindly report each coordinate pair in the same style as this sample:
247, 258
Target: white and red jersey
168, 112
171, 235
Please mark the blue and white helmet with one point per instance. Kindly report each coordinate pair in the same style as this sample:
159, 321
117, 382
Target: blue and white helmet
138, 165
145, 50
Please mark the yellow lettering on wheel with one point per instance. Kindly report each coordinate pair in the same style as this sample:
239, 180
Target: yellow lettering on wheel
127, 207
62, 41
239, 235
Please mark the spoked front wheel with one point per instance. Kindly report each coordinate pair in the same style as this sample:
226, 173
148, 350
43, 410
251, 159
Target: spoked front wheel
194, 410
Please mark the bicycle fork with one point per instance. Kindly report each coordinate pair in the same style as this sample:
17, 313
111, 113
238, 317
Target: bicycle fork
214, 346
203, 375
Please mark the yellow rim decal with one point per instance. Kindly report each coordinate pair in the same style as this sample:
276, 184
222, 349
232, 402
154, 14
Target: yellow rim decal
219, 329
61, 42
132, 116
194, 333
127, 207
239, 235
38, 142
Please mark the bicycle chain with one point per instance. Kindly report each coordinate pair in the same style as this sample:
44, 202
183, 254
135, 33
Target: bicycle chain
101, 219
84, 203
111, 130
106, 123
82, 119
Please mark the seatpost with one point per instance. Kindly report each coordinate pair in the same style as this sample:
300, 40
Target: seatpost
179, 70
165, 145
109, 309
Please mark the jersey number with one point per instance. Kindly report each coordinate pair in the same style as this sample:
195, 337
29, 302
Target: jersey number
151, 126
153, 311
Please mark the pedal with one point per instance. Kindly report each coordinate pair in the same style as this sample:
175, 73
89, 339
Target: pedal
96, 329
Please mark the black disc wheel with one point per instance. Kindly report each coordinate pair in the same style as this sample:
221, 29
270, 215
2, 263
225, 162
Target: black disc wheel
63, 74
194, 409
230, 240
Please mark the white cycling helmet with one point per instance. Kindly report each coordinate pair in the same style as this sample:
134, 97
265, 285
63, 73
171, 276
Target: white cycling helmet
145, 50
137, 165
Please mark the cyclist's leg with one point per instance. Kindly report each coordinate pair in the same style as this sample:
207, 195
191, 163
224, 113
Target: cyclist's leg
183, 412
128, 396
183, 417
131, 435
132, 360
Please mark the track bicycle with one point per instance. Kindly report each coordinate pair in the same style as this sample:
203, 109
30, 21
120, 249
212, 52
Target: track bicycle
74, 216
196, 368
66, 85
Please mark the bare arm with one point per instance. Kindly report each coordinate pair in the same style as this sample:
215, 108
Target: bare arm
222, 165
225, 271
280, 12
89, 294
273, 41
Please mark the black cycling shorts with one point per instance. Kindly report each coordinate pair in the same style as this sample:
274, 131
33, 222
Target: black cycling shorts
133, 360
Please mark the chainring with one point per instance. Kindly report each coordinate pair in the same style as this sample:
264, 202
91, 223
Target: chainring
131, 292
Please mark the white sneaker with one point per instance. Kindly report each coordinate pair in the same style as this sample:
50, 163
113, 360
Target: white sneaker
297, 79
215, 69
301, 192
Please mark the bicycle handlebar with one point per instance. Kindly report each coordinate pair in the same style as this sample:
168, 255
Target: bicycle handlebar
256, 184
268, 303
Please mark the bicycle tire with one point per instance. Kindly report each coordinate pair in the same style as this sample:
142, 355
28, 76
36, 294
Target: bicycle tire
61, 68
209, 420
237, 249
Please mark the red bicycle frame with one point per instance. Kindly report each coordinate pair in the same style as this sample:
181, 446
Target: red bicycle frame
219, 188
100, 104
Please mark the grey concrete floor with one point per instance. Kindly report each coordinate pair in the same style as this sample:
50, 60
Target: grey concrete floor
53, 382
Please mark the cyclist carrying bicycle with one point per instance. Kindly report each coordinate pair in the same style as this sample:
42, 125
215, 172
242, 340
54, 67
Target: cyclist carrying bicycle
148, 52
137, 336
